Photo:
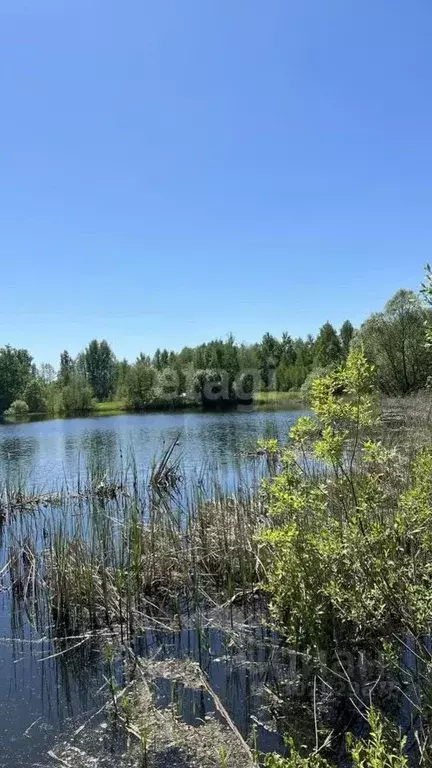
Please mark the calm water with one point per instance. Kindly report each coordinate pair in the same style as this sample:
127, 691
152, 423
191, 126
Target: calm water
43, 699
45, 454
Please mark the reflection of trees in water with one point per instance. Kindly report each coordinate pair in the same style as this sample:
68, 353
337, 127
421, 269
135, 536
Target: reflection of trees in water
101, 451
74, 671
228, 437
17, 459
73, 461
95, 452
69, 451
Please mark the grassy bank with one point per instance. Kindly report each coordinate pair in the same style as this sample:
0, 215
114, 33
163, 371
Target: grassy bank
110, 407
261, 400
278, 399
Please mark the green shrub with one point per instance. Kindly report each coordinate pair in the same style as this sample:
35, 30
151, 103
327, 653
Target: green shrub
316, 373
18, 408
384, 748
76, 396
139, 385
35, 396
350, 545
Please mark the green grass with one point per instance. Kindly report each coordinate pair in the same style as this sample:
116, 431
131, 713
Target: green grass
278, 398
120, 547
261, 399
110, 406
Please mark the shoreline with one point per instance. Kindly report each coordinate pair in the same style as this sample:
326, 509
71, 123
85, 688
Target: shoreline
261, 401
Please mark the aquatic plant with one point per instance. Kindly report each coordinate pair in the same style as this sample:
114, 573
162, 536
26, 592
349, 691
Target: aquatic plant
382, 748
118, 549
339, 539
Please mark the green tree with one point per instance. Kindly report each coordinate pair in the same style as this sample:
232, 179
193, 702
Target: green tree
164, 358
230, 363
18, 408
186, 356
286, 347
35, 395
139, 385
76, 396
284, 371
121, 378
215, 370
66, 368
47, 373
15, 373
269, 354
395, 341
100, 368
157, 360
247, 356
345, 334
328, 349
300, 369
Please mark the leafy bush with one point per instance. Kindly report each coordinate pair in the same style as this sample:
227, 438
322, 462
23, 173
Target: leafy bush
384, 748
316, 373
15, 373
18, 408
350, 545
139, 385
35, 396
76, 396
395, 341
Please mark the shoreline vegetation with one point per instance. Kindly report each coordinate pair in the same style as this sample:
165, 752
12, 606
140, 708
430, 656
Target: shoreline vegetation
221, 374
329, 551
261, 400
332, 552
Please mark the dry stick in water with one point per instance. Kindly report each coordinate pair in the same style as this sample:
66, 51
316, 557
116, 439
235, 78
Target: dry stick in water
59, 760
218, 704
117, 696
222, 711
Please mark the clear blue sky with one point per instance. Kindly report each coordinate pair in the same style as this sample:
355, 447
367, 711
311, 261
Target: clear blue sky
172, 170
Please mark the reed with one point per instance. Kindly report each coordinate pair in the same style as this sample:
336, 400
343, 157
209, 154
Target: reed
119, 551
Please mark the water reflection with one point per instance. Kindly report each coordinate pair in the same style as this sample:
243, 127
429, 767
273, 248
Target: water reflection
50, 692
41, 694
17, 455
237, 673
57, 452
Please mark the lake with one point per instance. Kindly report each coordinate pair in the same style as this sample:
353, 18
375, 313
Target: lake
46, 454
45, 696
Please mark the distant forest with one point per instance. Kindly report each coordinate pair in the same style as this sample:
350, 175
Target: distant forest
394, 340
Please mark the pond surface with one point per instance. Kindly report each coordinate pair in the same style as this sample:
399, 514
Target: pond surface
47, 454
44, 695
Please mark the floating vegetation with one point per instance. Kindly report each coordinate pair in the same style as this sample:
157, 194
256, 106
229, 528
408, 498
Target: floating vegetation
19, 501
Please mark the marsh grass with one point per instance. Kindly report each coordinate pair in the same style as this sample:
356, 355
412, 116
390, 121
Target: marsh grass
118, 550
119, 555
110, 407
278, 399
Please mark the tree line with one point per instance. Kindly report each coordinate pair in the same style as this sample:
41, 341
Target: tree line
221, 371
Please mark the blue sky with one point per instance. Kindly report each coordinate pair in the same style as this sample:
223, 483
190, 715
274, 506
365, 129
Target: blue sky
173, 170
